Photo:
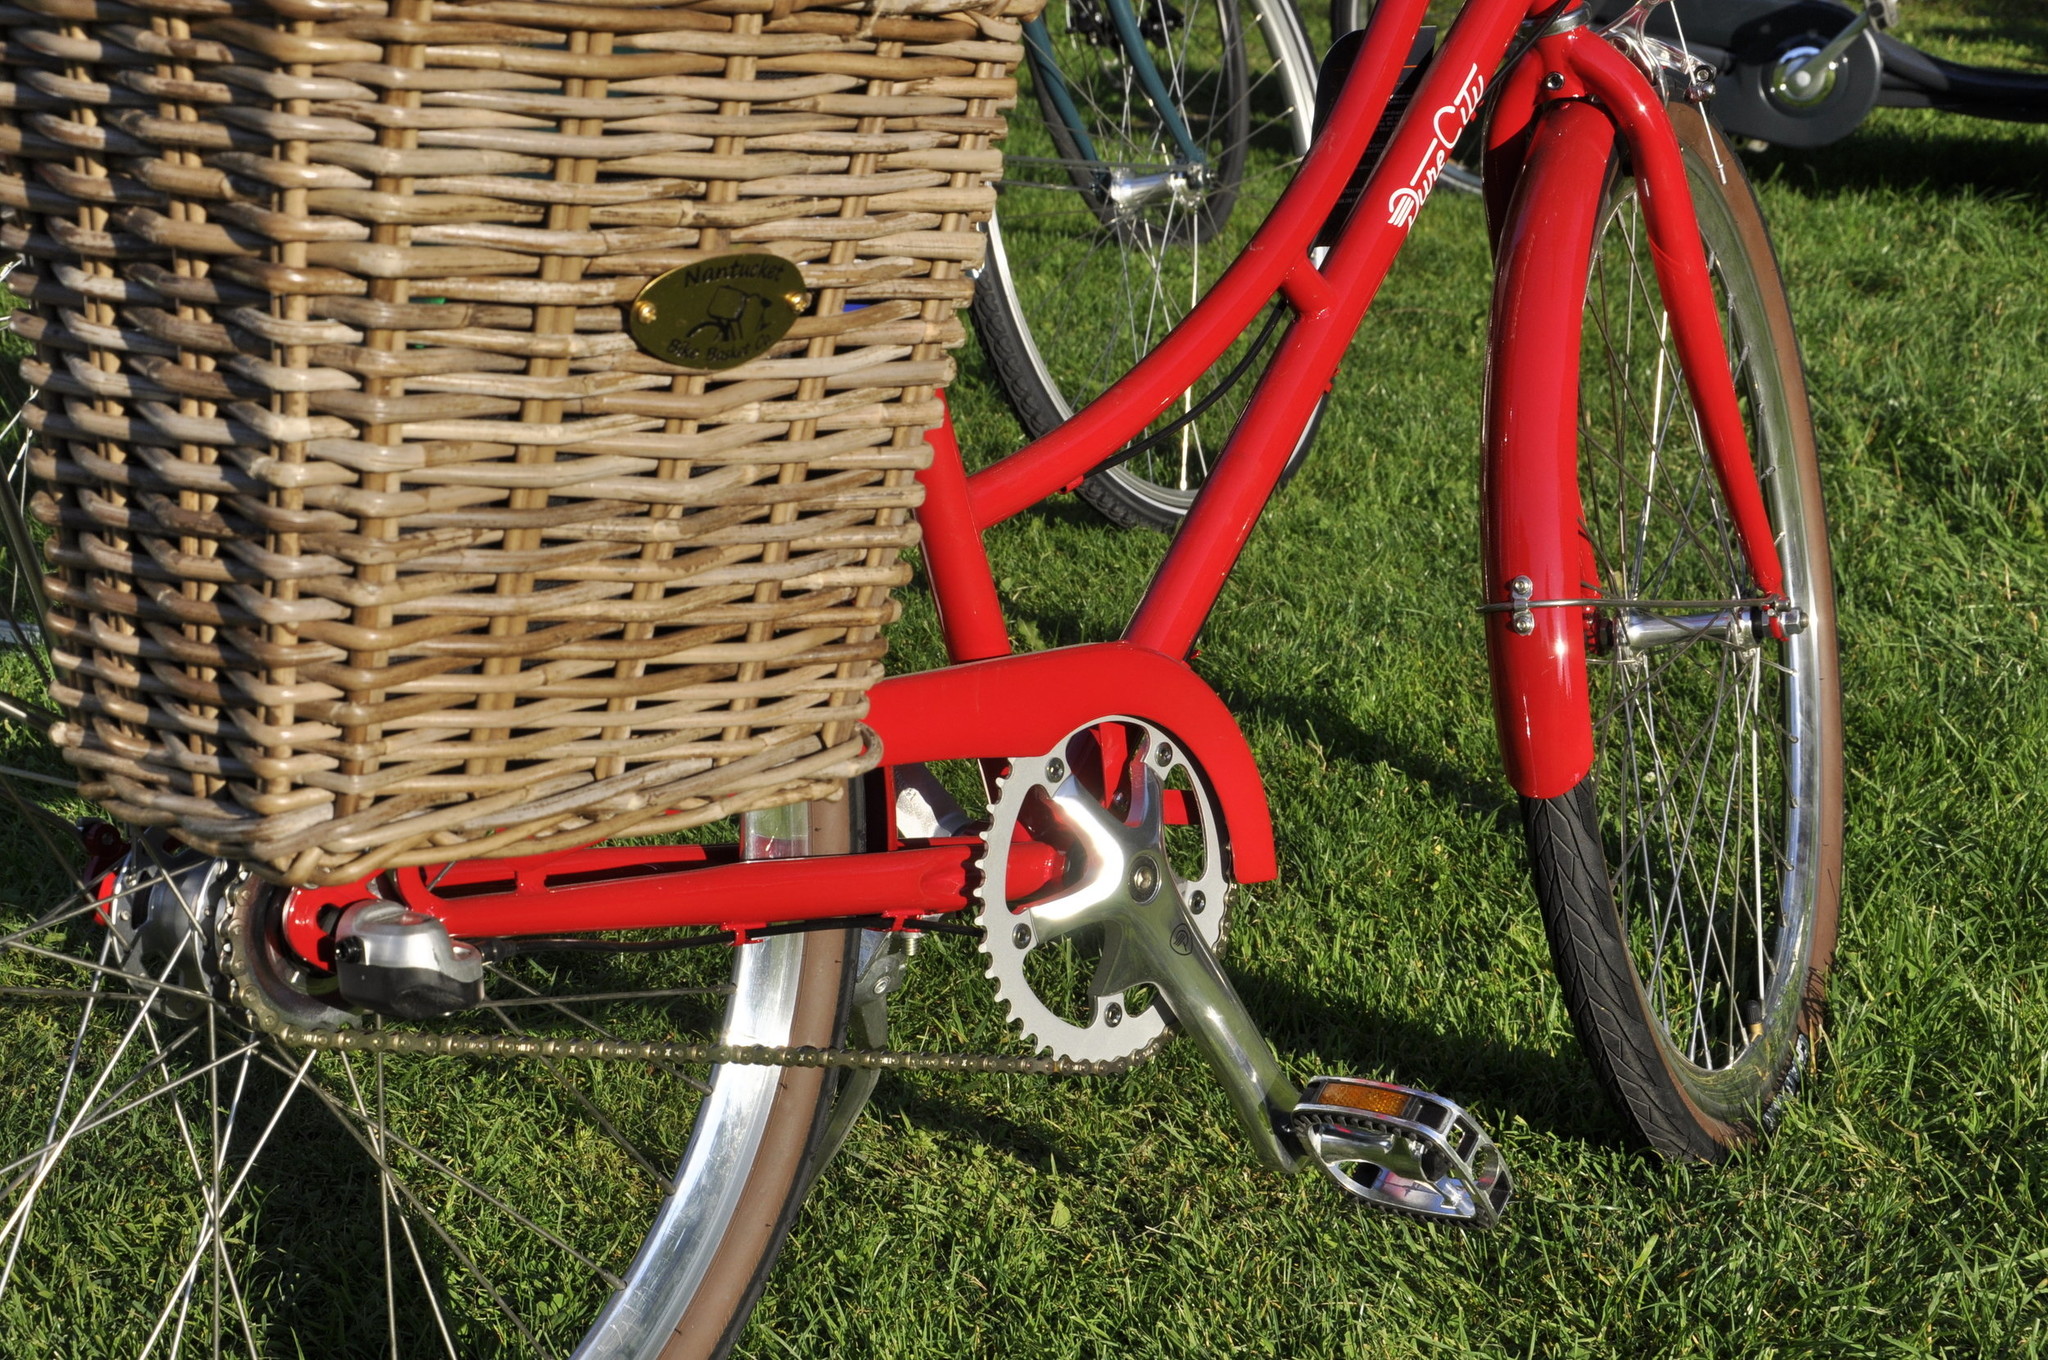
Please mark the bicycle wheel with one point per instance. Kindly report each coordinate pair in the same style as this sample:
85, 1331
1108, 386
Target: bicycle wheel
187, 1184
1114, 218
1690, 883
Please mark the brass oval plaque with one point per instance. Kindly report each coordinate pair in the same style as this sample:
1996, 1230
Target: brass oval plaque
717, 313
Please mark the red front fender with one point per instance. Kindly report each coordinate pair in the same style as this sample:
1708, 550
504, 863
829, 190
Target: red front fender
1529, 475
1022, 705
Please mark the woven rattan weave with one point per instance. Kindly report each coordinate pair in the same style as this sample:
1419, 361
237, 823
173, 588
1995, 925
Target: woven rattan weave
378, 540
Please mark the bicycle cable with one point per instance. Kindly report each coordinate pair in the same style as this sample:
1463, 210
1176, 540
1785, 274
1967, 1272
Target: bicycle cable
1208, 399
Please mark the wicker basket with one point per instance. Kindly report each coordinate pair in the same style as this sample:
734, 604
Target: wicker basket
378, 540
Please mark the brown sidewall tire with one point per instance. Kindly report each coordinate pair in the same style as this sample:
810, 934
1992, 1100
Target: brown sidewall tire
786, 1161
782, 1170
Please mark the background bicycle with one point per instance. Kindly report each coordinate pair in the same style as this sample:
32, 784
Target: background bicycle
1148, 142
1806, 74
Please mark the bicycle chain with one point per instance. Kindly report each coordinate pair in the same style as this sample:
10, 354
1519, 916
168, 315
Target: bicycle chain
247, 993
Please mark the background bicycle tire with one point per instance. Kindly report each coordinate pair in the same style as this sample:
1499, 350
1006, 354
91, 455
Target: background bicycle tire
1076, 290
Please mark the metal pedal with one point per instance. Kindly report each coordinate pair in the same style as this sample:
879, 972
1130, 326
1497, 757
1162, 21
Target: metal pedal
1404, 1149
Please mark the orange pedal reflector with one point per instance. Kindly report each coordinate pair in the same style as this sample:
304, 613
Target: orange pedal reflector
1375, 1099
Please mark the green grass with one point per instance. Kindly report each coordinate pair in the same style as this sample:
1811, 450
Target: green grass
1899, 1211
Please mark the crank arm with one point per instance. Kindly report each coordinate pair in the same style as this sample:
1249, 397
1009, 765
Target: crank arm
1208, 1011
1156, 928
1802, 84
1393, 1147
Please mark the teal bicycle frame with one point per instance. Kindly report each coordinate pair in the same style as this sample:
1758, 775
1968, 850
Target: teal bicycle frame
1046, 72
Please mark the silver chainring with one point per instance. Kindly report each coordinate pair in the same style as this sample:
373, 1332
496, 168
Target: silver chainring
1105, 845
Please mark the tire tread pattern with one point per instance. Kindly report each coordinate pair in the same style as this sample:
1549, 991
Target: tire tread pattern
1590, 955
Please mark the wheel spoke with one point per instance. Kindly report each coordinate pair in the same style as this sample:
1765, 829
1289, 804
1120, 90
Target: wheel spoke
120, 1111
1695, 860
557, 1070
158, 988
152, 1054
298, 1081
16, 1225
579, 1018
206, 1171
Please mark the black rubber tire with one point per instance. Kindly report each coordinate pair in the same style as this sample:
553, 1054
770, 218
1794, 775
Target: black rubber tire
1047, 366
1747, 1029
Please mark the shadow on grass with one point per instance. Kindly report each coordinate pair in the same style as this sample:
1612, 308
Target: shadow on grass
1886, 155
942, 1112
1344, 739
1554, 1093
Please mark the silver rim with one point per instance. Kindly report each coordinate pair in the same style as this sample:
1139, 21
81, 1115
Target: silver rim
1708, 772
1153, 268
192, 1188
678, 1252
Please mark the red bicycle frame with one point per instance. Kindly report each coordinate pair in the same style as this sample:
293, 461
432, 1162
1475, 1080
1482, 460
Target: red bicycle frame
1569, 95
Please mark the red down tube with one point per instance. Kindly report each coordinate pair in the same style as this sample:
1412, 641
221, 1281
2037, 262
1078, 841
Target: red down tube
1529, 480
